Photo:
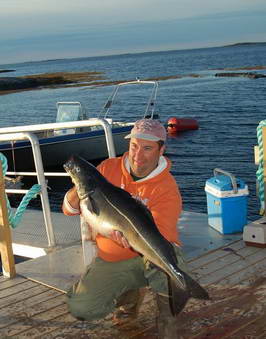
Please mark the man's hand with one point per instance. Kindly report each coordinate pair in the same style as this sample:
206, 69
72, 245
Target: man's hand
71, 202
120, 239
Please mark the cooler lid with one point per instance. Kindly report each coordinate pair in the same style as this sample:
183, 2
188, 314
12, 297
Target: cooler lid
224, 183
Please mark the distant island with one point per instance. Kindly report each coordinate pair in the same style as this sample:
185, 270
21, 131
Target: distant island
77, 79
239, 44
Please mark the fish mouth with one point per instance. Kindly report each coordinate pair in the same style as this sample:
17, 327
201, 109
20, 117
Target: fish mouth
69, 165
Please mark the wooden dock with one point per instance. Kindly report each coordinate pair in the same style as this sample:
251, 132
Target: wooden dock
234, 275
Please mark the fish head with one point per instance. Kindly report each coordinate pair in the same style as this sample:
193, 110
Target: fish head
82, 174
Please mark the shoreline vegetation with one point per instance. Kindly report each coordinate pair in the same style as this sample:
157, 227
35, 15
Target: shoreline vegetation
10, 85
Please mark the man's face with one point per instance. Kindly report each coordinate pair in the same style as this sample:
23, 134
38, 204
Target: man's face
144, 156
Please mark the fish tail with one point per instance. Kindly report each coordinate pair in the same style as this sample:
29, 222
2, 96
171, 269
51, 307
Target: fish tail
195, 290
178, 297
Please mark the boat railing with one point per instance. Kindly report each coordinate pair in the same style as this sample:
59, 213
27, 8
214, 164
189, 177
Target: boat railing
65, 125
27, 133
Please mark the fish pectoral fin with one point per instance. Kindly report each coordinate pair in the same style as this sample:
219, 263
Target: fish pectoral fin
92, 206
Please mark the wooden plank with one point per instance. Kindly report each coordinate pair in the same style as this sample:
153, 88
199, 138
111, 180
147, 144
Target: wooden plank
12, 313
223, 271
255, 328
36, 316
21, 295
262, 334
40, 324
214, 255
6, 282
6, 251
227, 270
63, 328
12, 290
247, 275
223, 261
231, 309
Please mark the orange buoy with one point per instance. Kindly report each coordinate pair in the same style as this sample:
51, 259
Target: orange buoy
175, 125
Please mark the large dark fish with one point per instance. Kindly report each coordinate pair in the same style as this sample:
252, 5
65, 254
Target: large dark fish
106, 208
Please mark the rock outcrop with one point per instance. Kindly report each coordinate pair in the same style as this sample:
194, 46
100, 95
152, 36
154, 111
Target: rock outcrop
241, 74
6, 70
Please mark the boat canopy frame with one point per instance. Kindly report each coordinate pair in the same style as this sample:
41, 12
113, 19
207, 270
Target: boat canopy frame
150, 107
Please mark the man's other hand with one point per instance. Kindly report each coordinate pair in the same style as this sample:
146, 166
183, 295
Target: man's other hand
120, 239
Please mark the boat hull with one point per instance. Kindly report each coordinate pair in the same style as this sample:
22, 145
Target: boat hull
56, 150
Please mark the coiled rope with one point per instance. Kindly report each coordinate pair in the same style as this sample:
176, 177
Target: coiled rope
260, 171
14, 218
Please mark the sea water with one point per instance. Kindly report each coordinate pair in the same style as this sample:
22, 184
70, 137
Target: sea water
227, 109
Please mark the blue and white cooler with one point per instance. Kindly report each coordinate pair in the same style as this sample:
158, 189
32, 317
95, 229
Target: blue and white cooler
226, 202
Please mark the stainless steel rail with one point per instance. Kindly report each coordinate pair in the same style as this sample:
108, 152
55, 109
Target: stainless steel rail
27, 133
62, 125
40, 178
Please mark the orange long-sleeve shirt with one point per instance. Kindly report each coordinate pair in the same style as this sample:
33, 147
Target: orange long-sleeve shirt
158, 191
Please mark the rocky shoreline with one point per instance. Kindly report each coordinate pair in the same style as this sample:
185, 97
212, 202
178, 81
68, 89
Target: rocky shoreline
73, 79
65, 79
29, 82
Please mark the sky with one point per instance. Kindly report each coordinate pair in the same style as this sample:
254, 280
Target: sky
49, 29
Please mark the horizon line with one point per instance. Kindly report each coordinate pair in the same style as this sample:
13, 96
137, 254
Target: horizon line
132, 53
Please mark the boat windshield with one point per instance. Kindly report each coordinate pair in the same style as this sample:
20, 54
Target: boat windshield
68, 111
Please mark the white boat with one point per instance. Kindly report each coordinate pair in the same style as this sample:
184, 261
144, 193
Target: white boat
88, 140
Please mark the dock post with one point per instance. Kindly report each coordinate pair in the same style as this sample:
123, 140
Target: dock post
6, 251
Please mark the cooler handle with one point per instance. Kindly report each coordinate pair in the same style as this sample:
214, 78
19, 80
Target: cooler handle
232, 177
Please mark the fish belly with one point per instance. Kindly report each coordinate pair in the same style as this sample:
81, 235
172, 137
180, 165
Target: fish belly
101, 225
